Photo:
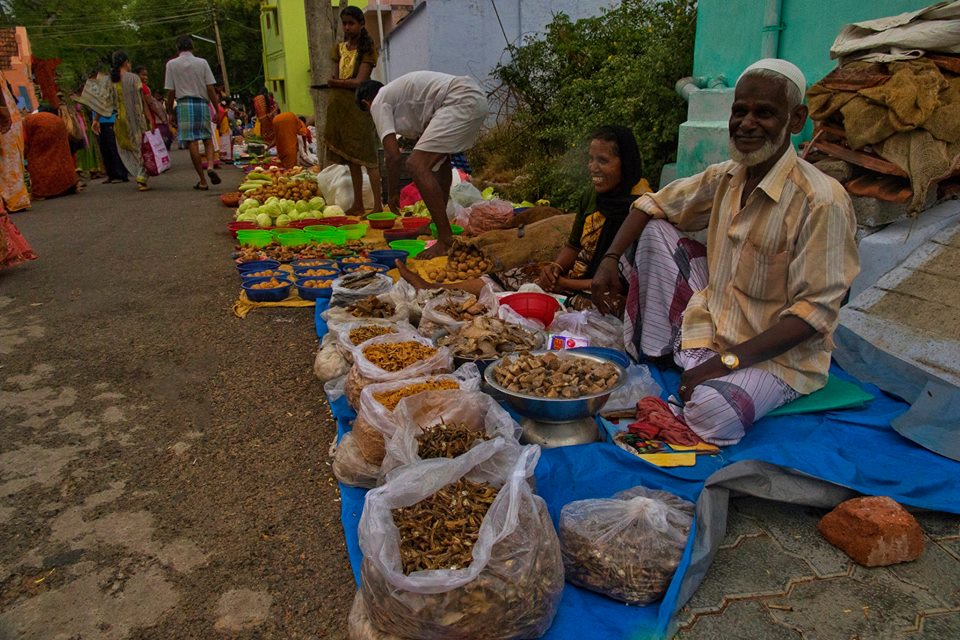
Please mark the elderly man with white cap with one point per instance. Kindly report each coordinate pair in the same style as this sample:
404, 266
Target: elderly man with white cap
749, 317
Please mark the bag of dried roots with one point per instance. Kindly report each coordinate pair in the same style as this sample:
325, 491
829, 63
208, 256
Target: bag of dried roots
461, 548
626, 547
350, 467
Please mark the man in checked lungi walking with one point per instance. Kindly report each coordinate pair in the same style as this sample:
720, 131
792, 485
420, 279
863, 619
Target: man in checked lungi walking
190, 81
749, 317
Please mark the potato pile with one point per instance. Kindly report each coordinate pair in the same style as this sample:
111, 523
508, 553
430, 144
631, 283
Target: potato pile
272, 283
286, 188
463, 263
317, 284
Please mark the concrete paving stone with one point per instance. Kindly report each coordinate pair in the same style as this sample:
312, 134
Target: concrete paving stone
935, 571
794, 527
739, 526
939, 627
757, 566
952, 547
937, 524
870, 603
743, 620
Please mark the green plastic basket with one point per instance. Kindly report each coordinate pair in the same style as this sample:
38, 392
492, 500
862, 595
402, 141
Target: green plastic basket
334, 236
354, 231
382, 215
457, 229
294, 239
412, 247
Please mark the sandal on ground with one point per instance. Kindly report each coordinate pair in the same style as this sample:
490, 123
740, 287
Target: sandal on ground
201, 187
214, 178
142, 186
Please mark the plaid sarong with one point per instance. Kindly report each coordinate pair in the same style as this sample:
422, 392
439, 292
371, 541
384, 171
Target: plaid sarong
193, 119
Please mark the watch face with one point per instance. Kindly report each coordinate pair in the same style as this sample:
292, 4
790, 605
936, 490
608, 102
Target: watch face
729, 360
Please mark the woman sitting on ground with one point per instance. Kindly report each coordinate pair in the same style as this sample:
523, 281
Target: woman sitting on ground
614, 166
52, 169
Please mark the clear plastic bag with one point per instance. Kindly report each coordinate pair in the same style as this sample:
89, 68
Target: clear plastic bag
330, 362
336, 316
465, 194
600, 330
434, 322
640, 384
512, 586
440, 362
626, 547
384, 420
351, 468
359, 625
476, 410
343, 332
342, 296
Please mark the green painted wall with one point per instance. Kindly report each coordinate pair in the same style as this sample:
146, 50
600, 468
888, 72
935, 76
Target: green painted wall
729, 32
286, 55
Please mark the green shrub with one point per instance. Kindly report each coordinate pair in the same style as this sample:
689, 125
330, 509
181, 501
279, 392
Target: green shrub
616, 68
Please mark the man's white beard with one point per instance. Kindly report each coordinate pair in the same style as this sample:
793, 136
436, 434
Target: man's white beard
761, 155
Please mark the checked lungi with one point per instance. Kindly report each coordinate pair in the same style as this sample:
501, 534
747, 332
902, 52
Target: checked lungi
663, 273
193, 119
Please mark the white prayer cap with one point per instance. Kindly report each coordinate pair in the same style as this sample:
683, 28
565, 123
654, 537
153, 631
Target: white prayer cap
788, 70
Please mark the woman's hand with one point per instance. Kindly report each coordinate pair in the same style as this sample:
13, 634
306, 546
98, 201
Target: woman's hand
708, 370
549, 275
95, 127
606, 286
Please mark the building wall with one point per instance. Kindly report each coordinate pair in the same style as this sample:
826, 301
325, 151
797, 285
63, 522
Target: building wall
464, 37
17, 72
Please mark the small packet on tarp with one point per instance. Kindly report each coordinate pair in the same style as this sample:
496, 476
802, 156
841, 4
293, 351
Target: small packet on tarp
596, 329
506, 583
626, 547
446, 424
376, 419
350, 467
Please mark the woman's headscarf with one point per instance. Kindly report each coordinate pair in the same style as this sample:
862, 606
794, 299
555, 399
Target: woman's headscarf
615, 204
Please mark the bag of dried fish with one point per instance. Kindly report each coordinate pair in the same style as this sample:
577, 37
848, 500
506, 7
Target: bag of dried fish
350, 467
626, 547
357, 286
352, 334
506, 584
552, 375
394, 357
446, 424
486, 338
450, 311
381, 307
376, 418
359, 626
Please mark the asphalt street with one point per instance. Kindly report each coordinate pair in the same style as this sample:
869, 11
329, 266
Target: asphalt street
163, 464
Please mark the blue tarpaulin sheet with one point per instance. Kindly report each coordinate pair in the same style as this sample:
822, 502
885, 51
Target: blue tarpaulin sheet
853, 448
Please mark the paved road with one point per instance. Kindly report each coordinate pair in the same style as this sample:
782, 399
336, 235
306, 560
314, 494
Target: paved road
163, 467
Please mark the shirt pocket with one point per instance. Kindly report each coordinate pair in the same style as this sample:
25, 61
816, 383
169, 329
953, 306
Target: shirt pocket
762, 276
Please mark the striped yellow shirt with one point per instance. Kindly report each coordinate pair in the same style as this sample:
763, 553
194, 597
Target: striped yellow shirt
791, 250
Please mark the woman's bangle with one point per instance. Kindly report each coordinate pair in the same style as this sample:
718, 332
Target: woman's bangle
615, 256
556, 264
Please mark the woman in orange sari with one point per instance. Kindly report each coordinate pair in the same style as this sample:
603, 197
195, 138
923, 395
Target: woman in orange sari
287, 127
13, 190
266, 110
13, 247
52, 169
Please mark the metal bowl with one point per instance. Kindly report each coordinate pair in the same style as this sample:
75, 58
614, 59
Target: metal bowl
555, 410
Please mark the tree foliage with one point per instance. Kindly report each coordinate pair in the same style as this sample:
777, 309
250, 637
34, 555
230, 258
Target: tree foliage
616, 68
84, 33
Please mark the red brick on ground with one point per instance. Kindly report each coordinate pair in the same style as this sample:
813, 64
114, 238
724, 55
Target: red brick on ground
875, 531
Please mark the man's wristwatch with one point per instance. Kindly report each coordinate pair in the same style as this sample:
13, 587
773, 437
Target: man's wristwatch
730, 361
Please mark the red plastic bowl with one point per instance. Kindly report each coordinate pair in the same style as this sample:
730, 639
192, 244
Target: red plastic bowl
535, 306
381, 224
233, 227
400, 234
416, 222
306, 222
338, 221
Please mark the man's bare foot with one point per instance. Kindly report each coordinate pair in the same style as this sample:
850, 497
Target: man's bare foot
411, 276
355, 211
437, 250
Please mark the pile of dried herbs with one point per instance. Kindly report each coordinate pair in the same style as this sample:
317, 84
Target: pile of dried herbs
444, 440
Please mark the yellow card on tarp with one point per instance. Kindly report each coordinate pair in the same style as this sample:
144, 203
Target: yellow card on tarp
701, 447
670, 459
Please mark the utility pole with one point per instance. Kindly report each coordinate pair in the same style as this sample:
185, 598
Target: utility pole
223, 64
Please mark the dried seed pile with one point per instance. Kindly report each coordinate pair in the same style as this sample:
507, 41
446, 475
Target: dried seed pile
447, 440
552, 376
360, 335
372, 307
395, 356
439, 531
464, 262
485, 338
466, 310
390, 399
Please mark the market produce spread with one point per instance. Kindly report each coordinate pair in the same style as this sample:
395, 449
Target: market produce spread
449, 477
